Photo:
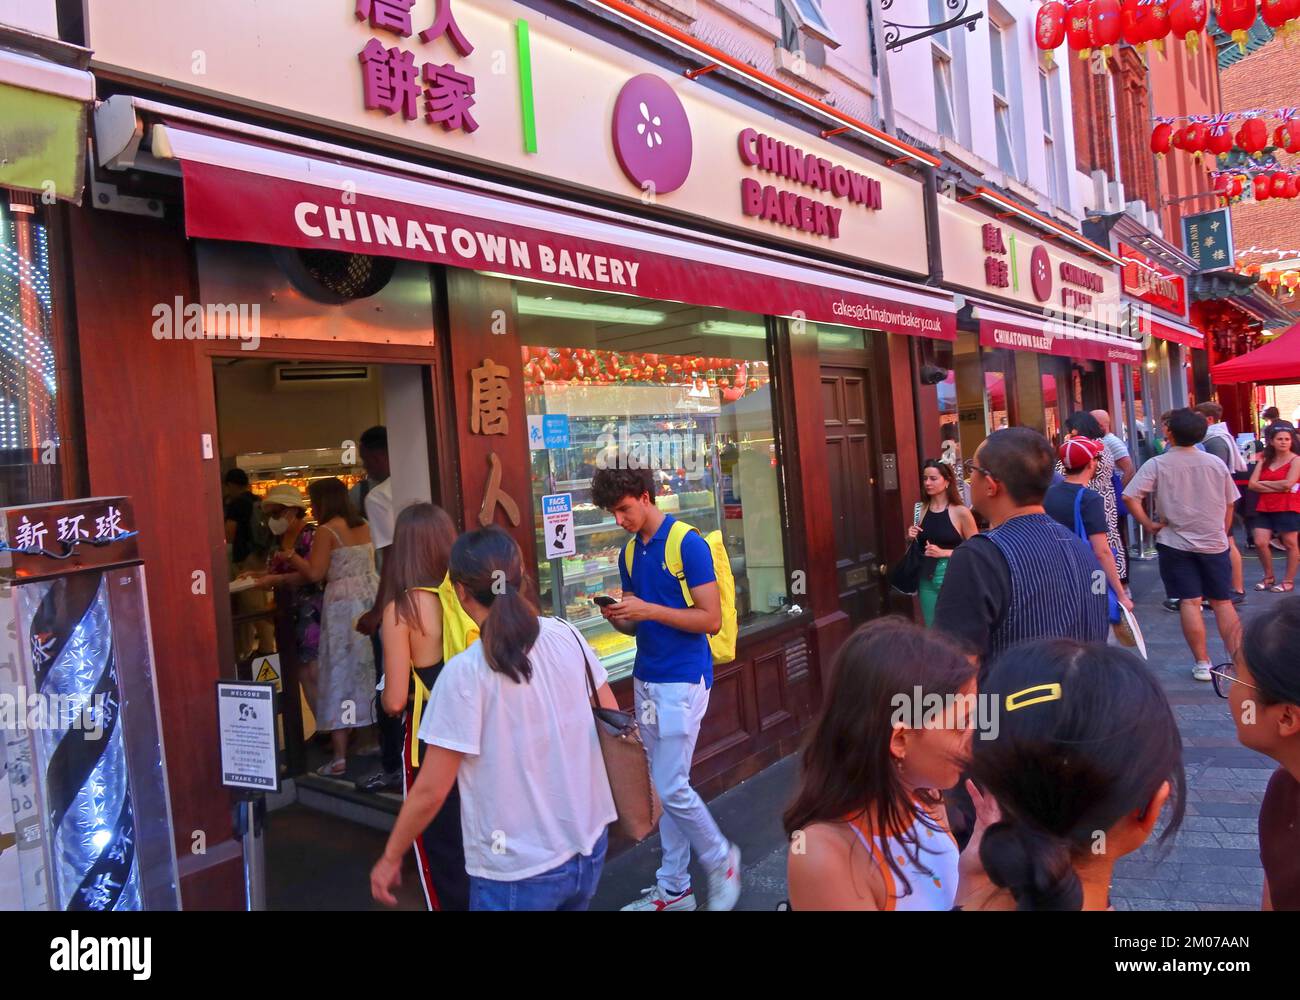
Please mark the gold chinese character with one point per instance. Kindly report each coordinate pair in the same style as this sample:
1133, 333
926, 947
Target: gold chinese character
491, 395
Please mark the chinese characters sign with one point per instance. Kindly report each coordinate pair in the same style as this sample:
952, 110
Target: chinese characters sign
1207, 238
394, 84
489, 398
997, 274
56, 538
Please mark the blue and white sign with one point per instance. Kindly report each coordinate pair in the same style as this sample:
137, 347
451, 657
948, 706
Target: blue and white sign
557, 525
549, 430
1207, 238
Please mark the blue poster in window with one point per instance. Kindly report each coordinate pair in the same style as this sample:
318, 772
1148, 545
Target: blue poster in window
1207, 238
555, 430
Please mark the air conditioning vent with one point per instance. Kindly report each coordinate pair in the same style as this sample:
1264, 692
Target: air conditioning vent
333, 277
796, 660
290, 377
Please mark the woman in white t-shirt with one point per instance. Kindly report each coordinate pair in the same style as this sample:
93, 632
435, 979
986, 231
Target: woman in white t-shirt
510, 721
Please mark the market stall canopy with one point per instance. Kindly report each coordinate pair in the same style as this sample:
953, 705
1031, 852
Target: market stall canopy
1276, 363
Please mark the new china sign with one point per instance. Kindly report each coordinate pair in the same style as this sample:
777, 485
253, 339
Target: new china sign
1144, 279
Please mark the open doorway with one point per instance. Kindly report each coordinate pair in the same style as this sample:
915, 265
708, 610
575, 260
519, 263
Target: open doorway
285, 424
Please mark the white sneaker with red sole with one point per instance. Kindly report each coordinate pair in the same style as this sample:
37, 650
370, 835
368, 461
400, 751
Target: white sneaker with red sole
724, 882
655, 899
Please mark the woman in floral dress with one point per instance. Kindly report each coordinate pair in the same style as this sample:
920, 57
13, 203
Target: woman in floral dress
286, 516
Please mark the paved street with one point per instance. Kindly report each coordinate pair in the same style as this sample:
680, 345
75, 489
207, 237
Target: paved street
1212, 864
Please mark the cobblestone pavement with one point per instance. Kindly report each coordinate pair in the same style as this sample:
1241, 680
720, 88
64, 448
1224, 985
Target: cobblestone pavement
1212, 863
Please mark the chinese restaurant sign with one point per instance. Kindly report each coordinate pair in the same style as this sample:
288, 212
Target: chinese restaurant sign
986, 254
1207, 238
1144, 279
494, 85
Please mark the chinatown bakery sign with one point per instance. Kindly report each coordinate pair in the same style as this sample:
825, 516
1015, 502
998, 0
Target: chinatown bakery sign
494, 86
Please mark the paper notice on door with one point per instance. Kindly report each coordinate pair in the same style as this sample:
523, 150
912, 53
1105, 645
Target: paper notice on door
557, 525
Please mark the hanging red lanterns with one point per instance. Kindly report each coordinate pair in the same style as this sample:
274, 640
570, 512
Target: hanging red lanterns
1161, 138
1132, 22
1278, 186
1238, 185
1104, 24
1187, 20
1278, 14
1049, 27
1252, 137
1237, 17
1219, 141
1156, 20
1223, 186
1077, 29
1195, 136
1287, 136
1263, 187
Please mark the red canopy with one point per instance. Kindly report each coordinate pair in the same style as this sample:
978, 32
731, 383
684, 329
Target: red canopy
1277, 362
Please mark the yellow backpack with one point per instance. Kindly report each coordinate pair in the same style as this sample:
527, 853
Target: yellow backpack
722, 644
458, 633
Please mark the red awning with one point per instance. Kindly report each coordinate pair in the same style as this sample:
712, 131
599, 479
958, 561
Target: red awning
1171, 330
999, 328
1276, 363
236, 190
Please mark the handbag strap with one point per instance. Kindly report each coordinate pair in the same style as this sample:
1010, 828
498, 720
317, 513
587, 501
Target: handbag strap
586, 662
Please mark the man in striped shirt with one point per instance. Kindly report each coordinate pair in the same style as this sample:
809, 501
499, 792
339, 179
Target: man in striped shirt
1027, 577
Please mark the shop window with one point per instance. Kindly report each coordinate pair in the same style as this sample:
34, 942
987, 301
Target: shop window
29, 431
683, 390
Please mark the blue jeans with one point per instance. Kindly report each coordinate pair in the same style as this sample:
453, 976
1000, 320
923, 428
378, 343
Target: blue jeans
569, 886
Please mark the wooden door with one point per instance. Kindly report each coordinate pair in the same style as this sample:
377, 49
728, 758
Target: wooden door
851, 470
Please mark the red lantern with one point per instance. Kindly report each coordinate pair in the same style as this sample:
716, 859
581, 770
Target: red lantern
1077, 29
1157, 23
1293, 186
1223, 186
1220, 141
1287, 135
1237, 17
1161, 137
1179, 139
1278, 185
1252, 136
1187, 20
1263, 187
1104, 24
1195, 136
1132, 22
1049, 27
1277, 14
1238, 185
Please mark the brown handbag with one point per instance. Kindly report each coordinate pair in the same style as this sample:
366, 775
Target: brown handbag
626, 763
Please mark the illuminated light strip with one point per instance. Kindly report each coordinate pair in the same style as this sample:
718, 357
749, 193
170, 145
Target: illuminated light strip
1034, 218
679, 38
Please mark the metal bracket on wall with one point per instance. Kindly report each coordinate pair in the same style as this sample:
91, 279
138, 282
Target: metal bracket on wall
894, 31
106, 196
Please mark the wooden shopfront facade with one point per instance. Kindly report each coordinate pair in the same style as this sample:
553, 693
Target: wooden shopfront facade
534, 296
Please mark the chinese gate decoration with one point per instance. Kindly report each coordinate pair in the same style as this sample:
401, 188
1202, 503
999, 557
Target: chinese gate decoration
394, 84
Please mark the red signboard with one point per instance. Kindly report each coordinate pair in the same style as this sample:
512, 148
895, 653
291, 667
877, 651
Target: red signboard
229, 204
1146, 280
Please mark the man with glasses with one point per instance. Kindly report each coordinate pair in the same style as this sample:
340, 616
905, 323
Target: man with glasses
1028, 577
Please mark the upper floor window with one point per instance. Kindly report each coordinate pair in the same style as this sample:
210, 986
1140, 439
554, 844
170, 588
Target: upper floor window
941, 57
806, 16
1002, 104
1046, 83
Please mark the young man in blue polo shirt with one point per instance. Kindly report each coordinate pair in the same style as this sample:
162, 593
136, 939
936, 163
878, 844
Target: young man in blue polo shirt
671, 681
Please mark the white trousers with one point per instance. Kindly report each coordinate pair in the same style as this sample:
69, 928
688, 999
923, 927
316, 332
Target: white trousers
669, 717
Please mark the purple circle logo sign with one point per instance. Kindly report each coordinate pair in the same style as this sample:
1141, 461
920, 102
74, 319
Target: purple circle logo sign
1040, 274
652, 135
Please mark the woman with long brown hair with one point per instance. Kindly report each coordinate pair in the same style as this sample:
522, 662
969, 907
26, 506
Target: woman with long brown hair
416, 567
942, 522
341, 556
510, 720
868, 829
1278, 510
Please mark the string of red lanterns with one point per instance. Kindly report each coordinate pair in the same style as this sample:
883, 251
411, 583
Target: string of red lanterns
1211, 134
594, 367
1086, 25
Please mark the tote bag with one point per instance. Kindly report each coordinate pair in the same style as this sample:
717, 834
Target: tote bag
626, 763
906, 576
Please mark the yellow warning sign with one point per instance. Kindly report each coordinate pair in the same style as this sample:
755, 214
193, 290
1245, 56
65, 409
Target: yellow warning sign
268, 669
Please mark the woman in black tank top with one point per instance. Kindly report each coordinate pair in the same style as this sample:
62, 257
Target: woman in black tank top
941, 523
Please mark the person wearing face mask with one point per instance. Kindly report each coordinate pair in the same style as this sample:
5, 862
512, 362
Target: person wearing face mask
286, 517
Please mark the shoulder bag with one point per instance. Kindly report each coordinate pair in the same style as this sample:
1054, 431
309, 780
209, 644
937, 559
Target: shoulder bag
906, 576
627, 764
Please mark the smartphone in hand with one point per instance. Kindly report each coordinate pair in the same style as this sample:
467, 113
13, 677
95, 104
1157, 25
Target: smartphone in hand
604, 600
